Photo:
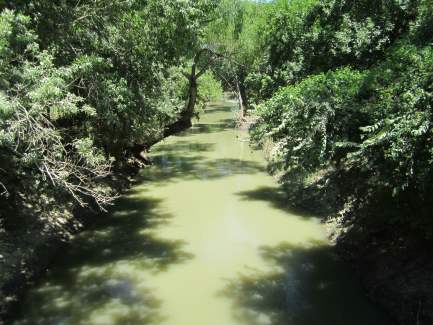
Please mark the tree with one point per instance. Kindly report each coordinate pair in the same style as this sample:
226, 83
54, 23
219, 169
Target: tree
83, 84
235, 33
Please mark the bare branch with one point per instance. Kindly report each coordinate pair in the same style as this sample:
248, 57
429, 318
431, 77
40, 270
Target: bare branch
213, 57
58, 161
5, 191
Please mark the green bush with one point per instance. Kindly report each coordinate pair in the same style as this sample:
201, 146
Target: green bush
209, 88
376, 125
397, 144
306, 37
310, 121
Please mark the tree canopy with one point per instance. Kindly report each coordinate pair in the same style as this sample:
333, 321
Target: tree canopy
82, 83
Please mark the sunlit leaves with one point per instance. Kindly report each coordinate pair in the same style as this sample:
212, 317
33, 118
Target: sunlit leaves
308, 119
376, 125
85, 81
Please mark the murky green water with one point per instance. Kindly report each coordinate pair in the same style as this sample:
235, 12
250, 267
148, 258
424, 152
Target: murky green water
204, 238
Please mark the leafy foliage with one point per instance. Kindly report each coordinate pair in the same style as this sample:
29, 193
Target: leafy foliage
306, 37
396, 151
35, 151
310, 121
82, 83
235, 32
209, 88
358, 100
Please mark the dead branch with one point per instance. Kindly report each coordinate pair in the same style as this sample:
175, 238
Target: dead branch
57, 161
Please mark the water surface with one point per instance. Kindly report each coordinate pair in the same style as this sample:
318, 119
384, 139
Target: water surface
204, 238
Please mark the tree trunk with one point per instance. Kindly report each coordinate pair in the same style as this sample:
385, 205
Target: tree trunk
192, 98
242, 97
185, 119
184, 122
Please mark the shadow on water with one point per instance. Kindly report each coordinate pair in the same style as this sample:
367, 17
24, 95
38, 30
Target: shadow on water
183, 160
276, 197
208, 128
220, 108
101, 274
174, 168
219, 125
97, 300
185, 147
121, 236
307, 287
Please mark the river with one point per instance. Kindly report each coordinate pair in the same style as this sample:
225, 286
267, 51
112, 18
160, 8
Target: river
204, 237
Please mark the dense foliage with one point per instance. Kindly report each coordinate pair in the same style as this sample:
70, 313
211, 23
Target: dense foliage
82, 83
235, 31
358, 100
308, 36
309, 121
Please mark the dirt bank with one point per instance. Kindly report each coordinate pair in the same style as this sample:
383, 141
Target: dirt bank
396, 270
394, 265
34, 237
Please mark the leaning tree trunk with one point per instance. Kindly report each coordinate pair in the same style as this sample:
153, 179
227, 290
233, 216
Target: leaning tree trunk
242, 97
187, 114
185, 119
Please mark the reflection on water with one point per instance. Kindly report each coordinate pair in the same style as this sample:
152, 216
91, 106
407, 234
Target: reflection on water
206, 237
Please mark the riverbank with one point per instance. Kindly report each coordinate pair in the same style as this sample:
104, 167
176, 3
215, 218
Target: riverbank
36, 238
394, 266
395, 270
